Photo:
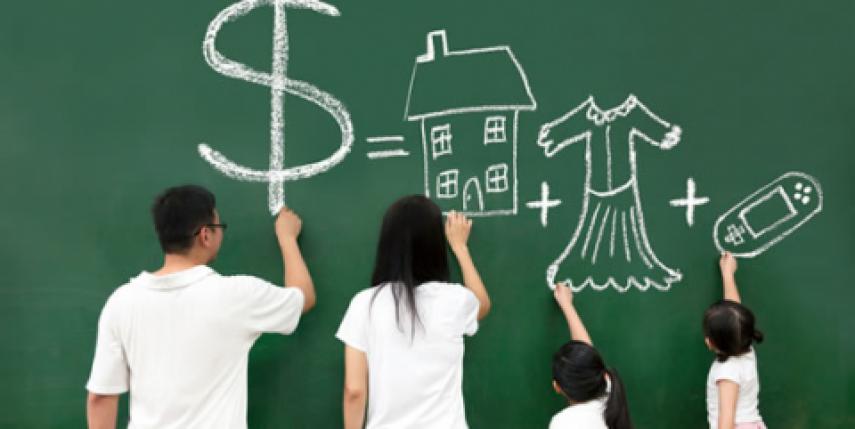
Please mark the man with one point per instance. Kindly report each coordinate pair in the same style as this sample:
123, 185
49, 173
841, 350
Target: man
179, 338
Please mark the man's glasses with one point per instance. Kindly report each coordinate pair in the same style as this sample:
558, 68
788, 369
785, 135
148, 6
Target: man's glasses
223, 226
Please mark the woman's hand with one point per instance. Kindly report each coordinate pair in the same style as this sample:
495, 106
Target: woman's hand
457, 228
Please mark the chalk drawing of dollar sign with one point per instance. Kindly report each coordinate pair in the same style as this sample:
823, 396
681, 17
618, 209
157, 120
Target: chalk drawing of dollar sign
279, 84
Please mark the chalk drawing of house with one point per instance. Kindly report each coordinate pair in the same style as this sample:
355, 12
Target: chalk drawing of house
468, 103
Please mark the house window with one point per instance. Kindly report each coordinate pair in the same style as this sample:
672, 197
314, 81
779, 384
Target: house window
440, 139
494, 130
446, 184
497, 178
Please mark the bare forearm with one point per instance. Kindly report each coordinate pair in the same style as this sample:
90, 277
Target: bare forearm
574, 323
101, 411
731, 292
472, 280
354, 411
296, 272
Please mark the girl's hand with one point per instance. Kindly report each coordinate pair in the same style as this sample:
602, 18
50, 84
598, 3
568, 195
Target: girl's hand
457, 228
563, 295
728, 264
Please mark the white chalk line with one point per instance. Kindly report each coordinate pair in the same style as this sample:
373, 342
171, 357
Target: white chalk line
600, 117
590, 229
279, 84
544, 204
690, 202
806, 208
385, 139
437, 48
600, 236
383, 154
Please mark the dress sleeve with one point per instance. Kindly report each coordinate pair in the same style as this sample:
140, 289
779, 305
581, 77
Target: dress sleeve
654, 130
572, 127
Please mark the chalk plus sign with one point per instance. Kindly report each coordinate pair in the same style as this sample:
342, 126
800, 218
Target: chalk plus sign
690, 202
734, 235
544, 204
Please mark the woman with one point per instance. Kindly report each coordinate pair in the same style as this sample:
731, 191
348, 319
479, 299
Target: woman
404, 336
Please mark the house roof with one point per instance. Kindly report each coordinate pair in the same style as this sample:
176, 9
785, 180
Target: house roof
447, 82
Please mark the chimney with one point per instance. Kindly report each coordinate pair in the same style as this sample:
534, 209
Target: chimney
436, 45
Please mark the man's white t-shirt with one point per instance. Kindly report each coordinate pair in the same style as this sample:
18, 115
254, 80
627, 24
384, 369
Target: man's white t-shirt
180, 343
741, 370
414, 381
587, 415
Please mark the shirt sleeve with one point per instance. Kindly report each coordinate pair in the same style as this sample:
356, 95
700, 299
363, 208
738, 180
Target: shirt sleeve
468, 313
110, 373
729, 370
353, 330
268, 308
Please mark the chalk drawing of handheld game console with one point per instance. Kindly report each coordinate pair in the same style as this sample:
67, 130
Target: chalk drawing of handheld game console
768, 215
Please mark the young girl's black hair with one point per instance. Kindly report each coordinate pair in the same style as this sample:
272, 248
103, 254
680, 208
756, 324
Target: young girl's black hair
411, 251
581, 374
729, 325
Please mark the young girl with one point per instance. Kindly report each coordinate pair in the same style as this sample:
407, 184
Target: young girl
732, 385
594, 392
404, 336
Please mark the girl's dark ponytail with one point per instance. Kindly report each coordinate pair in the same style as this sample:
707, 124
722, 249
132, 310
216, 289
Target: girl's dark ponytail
582, 375
617, 410
758, 336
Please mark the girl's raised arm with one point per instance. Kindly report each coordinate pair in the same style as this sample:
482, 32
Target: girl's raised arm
564, 297
728, 266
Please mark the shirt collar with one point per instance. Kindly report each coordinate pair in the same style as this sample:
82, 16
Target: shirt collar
175, 280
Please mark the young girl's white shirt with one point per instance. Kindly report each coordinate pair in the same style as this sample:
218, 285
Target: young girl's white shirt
741, 370
414, 381
587, 415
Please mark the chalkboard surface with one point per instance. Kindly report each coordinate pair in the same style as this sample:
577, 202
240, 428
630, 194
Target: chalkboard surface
617, 144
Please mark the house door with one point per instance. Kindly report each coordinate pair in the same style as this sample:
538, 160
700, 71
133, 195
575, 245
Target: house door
473, 200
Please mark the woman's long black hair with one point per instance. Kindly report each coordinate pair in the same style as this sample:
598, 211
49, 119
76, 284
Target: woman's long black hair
411, 251
581, 374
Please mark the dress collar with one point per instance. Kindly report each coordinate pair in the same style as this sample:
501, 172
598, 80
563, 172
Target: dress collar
599, 116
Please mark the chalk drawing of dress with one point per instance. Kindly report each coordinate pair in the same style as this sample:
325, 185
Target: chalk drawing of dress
609, 246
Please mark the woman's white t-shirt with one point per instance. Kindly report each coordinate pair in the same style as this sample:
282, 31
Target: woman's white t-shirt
415, 381
587, 415
741, 370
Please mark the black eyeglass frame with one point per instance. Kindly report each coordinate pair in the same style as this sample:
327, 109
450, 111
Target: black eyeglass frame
222, 226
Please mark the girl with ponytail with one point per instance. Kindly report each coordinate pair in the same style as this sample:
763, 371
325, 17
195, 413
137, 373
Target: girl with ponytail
594, 392
733, 385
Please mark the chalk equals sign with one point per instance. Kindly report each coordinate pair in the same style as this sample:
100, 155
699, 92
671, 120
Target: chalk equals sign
388, 153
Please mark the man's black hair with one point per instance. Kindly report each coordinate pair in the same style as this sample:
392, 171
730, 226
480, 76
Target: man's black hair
178, 213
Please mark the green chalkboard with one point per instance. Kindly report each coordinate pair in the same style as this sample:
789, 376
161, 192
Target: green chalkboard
103, 104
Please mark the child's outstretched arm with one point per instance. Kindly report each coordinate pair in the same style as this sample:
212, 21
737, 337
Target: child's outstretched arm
564, 297
728, 266
457, 228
